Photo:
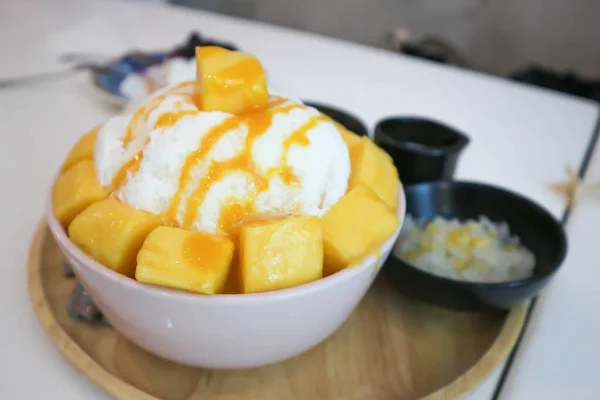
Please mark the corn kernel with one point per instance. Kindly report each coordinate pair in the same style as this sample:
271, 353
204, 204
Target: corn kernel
458, 238
437, 247
491, 233
426, 243
411, 255
479, 266
459, 264
472, 226
480, 242
432, 229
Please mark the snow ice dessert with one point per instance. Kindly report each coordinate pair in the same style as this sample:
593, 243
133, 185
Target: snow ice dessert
282, 159
215, 185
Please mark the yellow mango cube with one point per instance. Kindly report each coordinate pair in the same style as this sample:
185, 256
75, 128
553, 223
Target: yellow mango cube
231, 81
281, 253
355, 227
82, 150
112, 233
182, 259
350, 138
75, 190
375, 168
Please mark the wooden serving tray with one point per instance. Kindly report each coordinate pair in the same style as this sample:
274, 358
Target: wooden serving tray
390, 348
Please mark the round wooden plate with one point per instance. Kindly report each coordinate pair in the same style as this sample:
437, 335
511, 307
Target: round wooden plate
390, 348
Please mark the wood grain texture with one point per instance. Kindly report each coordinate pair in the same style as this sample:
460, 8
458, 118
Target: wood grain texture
390, 348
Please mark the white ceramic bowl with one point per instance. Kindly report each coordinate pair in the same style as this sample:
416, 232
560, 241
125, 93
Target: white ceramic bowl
223, 331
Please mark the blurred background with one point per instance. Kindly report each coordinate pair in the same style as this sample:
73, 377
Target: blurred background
497, 37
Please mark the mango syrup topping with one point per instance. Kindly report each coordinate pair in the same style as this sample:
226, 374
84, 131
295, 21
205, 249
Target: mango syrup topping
199, 250
298, 137
141, 115
236, 211
257, 120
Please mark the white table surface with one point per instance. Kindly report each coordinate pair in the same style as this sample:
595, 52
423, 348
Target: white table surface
560, 352
521, 138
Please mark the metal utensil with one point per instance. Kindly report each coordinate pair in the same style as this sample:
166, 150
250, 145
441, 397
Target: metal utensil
7, 83
79, 57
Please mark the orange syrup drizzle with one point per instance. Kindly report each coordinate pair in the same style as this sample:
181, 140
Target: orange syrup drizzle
232, 216
258, 121
201, 251
299, 138
193, 159
132, 165
236, 212
169, 119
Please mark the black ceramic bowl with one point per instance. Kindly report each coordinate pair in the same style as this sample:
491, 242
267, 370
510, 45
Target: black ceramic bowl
538, 230
344, 118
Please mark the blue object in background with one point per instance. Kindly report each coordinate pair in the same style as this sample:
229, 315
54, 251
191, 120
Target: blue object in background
110, 77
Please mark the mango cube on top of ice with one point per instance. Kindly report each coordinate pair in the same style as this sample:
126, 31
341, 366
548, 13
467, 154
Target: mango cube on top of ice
355, 227
113, 233
281, 253
182, 259
231, 81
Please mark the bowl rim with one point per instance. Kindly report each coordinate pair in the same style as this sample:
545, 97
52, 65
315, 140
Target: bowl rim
331, 107
60, 235
536, 277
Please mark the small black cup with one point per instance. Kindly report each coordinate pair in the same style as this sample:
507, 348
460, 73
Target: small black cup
344, 118
422, 149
